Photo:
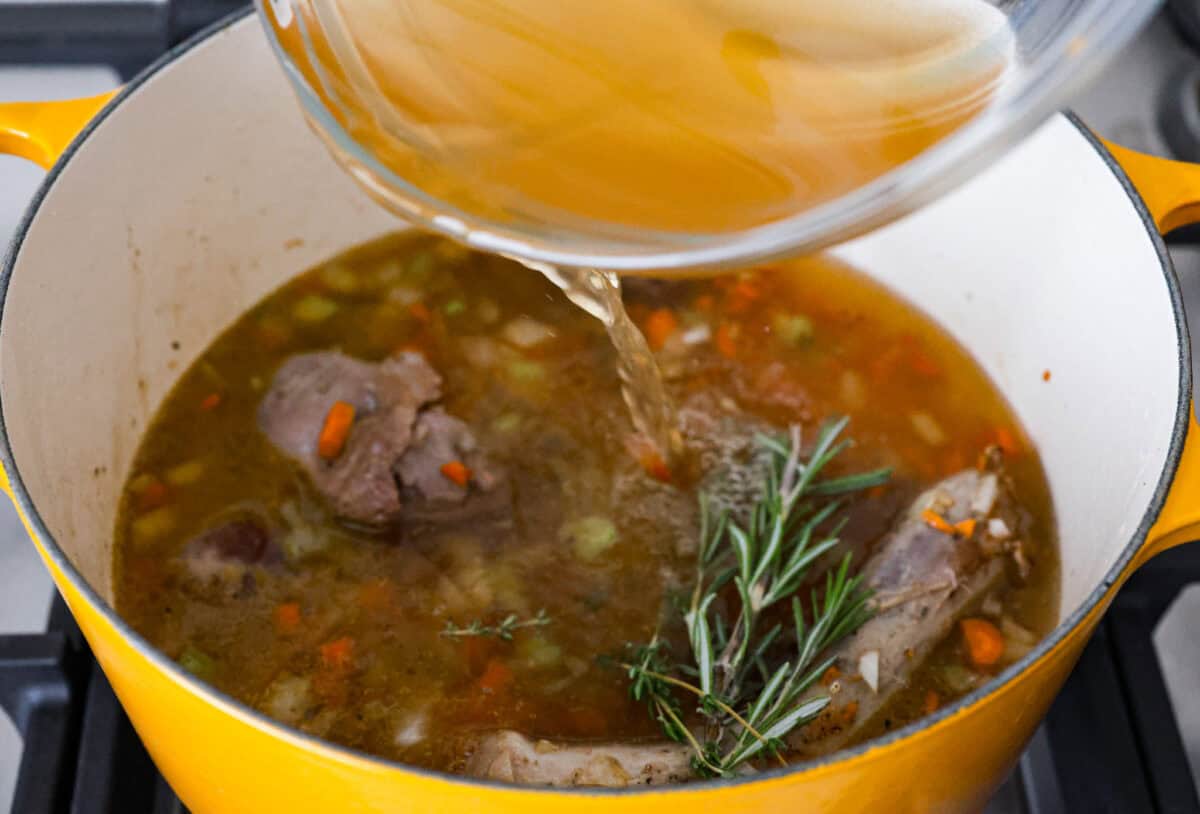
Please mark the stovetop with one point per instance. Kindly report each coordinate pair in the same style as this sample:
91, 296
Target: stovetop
1123, 736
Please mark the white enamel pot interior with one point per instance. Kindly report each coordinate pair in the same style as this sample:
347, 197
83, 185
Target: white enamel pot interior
169, 219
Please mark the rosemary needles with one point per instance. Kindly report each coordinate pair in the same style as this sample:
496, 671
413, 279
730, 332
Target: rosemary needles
749, 688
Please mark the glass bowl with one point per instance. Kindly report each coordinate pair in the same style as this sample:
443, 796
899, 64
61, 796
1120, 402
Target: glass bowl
1050, 48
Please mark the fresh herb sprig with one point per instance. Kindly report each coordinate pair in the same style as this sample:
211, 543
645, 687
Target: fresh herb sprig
749, 704
503, 629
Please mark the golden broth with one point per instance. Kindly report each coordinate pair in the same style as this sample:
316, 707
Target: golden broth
682, 115
359, 656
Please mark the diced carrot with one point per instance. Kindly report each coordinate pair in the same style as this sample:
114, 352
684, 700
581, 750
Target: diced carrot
211, 402
1007, 441
420, 311
932, 702
287, 617
655, 466
495, 677
153, 496
831, 675
338, 654
704, 303
743, 294
965, 528
1045, 375
273, 333
923, 364
457, 472
660, 326
936, 522
336, 430
985, 642
850, 712
726, 340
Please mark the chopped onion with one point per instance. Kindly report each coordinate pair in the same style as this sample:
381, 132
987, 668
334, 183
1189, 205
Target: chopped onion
992, 606
404, 295
526, 332
480, 351
287, 699
927, 428
487, 311
696, 336
413, 730
853, 390
868, 668
1016, 633
985, 499
999, 529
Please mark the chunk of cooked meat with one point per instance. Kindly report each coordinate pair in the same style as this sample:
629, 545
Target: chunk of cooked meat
397, 446
514, 758
439, 437
923, 579
224, 555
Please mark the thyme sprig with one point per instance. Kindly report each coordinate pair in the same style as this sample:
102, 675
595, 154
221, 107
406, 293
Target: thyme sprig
504, 629
748, 701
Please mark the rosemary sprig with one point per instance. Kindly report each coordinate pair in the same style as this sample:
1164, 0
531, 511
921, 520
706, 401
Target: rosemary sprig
749, 704
504, 629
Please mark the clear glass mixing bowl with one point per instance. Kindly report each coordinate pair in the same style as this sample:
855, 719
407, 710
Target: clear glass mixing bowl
1054, 47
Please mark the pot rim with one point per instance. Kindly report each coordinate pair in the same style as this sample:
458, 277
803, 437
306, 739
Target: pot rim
334, 751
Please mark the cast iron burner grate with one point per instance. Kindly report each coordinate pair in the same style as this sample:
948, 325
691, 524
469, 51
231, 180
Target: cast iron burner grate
1110, 744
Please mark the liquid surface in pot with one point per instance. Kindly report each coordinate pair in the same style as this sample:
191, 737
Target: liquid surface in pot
489, 583
678, 115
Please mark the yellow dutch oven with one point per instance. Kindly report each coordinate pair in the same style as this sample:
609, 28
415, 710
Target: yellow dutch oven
198, 189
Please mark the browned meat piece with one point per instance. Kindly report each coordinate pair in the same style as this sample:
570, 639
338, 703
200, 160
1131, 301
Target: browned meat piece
437, 438
923, 581
514, 758
225, 554
398, 444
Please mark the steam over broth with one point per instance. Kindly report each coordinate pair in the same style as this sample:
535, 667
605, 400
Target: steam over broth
230, 559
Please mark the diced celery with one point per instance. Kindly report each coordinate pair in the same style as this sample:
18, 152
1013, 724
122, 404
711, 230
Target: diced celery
153, 525
185, 474
537, 651
525, 371
590, 536
454, 307
314, 308
419, 268
340, 279
196, 662
793, 329
507, 423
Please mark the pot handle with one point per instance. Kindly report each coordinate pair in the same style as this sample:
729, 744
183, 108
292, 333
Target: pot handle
1171, 192
41, 131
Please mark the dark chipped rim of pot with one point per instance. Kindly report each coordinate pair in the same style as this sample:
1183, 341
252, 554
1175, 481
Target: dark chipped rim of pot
257, 719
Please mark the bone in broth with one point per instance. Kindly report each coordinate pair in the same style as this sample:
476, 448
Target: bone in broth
400, 504
681, 115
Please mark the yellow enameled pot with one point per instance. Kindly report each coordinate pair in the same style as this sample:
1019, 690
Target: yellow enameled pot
197, 189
